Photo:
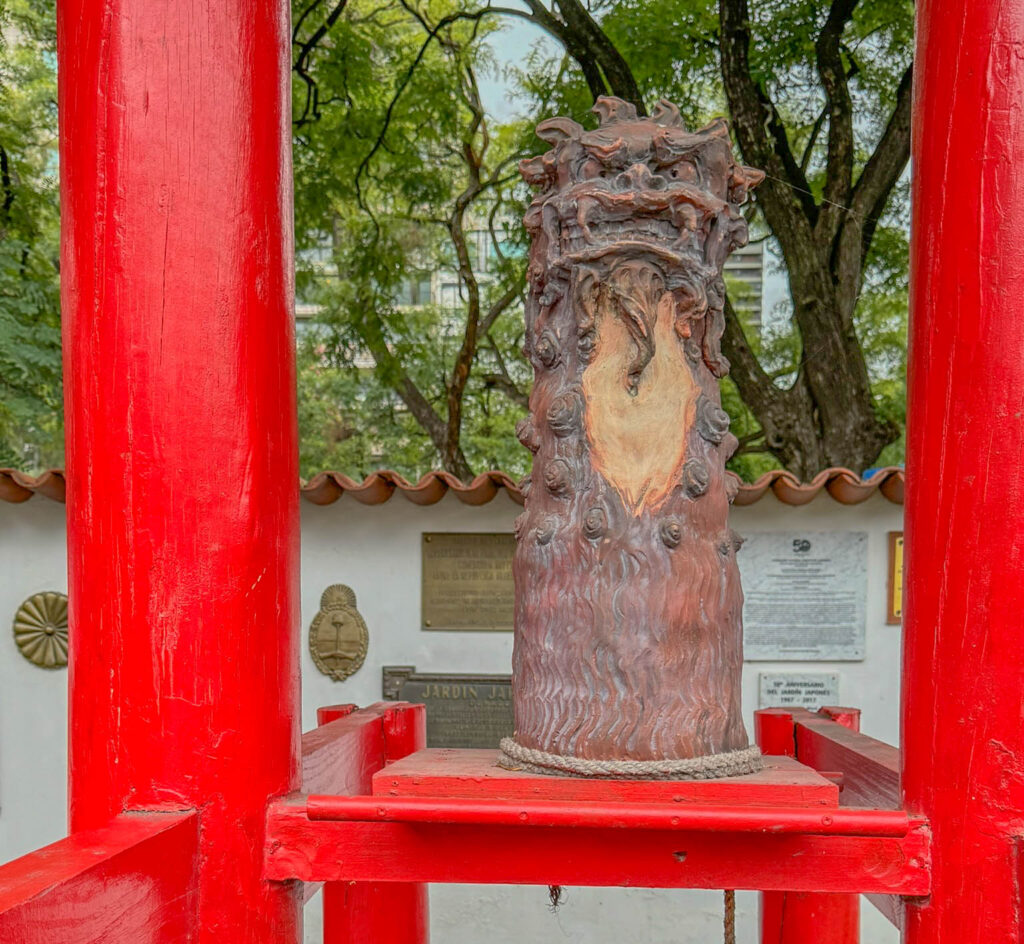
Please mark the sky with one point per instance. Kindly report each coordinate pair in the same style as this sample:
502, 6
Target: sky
510, 47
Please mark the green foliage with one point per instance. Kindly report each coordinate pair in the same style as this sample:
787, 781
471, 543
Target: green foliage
352, 420
399, 162
384, 123
672, 49
881, 319
30, 392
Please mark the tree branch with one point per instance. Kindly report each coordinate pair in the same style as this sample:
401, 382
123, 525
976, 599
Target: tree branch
868, 200
406, 79
503, 380
887, 163
813, 139
507, 387
7, 186
785, 197
839, 174
558, 30
306, 50
596, 47
500, 306
474, 158
754, 383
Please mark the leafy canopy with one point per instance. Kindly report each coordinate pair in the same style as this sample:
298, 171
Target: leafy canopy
30, 390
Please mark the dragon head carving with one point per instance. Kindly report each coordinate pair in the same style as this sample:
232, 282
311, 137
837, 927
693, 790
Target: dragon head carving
639, 188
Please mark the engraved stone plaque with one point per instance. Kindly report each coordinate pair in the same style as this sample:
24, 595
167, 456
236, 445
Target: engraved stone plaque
467, 581
462, 710
811, 690
805, 595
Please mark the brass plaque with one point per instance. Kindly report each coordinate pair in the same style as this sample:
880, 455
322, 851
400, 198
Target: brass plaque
41, 629
338, 638
462, 710
894, 608
467, 581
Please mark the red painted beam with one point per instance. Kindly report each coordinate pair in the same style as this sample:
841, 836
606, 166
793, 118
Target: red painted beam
133, 881
342, 755
830, 740
963, 666
623, 815
870, 768
300, 848
177, 293
351, 745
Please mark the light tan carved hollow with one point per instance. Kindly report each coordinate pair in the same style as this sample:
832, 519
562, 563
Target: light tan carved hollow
638, 392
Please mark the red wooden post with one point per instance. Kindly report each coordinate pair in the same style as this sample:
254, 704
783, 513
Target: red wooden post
802, 917
774, 732
181, 431
963, 666
380, 912
797, 917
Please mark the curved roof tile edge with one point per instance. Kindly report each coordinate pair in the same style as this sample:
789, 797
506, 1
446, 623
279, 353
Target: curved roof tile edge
844, 486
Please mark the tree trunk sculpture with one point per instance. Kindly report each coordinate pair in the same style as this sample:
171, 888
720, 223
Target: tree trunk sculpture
628, 636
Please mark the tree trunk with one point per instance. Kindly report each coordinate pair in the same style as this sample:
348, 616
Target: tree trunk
628, 639
827, 418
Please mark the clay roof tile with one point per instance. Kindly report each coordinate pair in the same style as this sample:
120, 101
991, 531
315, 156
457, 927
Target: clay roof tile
844, 486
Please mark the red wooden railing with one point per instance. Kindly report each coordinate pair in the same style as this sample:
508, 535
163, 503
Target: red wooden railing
189, 819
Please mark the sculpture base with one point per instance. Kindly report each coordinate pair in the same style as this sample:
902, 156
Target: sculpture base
513, 756
466, 773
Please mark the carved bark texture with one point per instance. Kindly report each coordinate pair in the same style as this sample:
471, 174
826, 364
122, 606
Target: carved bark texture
628, 637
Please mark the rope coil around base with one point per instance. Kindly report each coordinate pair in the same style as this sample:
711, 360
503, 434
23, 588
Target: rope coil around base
513, 756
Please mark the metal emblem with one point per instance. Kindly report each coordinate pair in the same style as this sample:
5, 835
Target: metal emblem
338, 637
41, 629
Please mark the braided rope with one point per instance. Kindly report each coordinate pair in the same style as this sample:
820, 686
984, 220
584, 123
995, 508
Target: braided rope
514, 756
730, 917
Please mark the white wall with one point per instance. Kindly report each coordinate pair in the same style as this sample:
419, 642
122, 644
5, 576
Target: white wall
376, 551
33, 701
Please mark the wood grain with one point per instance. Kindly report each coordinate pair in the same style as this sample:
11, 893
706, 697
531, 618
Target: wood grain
444, 772
133, 881
301, 848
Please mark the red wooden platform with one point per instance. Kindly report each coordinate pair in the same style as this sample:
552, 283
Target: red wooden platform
420, 816
475, 774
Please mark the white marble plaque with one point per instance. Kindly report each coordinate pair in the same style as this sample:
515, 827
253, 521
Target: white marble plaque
811, 690
805, 595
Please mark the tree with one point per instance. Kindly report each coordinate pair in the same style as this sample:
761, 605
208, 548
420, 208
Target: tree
396, 185
828, 415
30, 390
819, 97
